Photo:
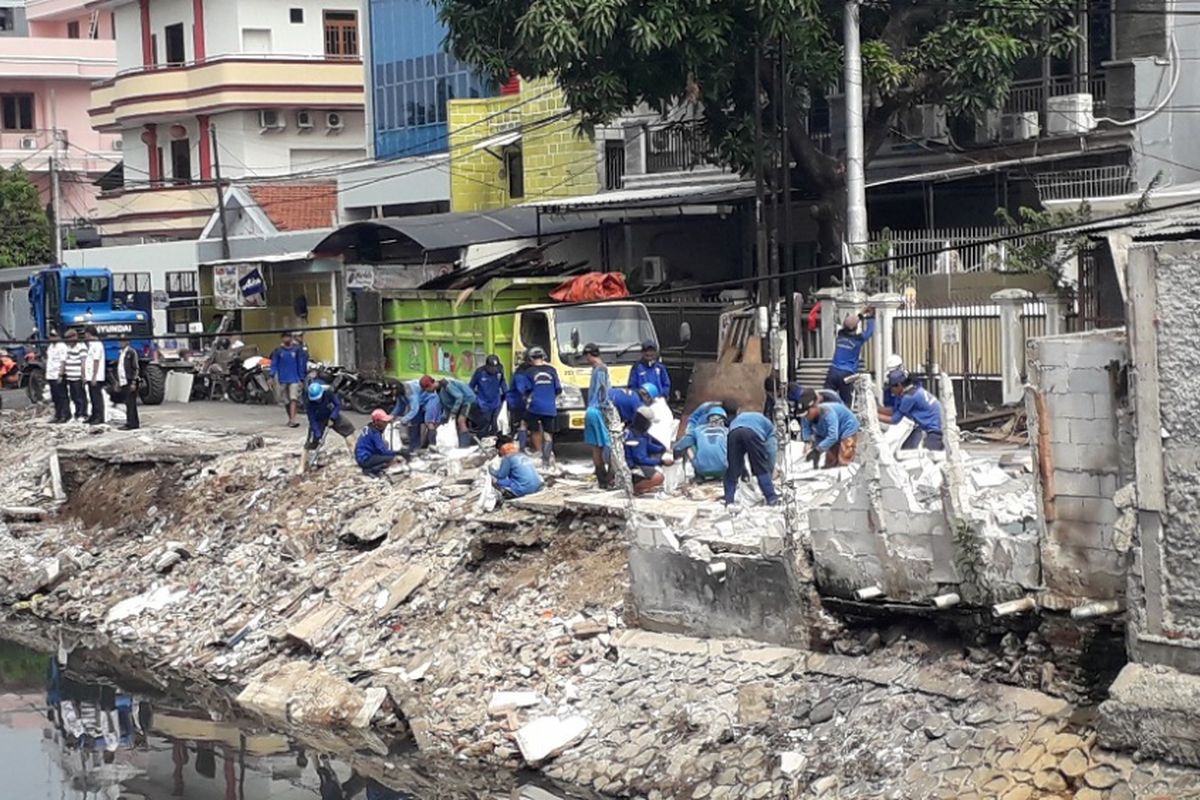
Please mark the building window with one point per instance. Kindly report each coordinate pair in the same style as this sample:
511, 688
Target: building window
514, 165
73, 29
16, 112
614, 164
176, 55
8, 19
181, 161
297, 16
341, 34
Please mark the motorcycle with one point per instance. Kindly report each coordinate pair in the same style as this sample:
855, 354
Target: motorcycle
250, 382
33, 376
372, 394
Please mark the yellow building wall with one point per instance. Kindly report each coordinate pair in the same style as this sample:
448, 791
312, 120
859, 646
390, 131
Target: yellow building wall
558, 160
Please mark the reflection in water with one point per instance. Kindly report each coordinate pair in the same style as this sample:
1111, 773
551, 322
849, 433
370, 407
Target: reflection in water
83, 738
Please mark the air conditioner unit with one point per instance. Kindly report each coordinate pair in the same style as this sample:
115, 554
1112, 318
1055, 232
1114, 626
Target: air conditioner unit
334, 122
925, 121
654, 271
1019, 127
118, 144
988, 128
29, 143
270, 119
1070, 113
304, 120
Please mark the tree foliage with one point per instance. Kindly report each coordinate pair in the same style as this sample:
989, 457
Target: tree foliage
25, 237
611, 55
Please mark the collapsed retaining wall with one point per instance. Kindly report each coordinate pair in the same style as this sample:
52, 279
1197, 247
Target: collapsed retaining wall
1078, 421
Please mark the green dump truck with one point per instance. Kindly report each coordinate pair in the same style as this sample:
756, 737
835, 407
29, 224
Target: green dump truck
456, 347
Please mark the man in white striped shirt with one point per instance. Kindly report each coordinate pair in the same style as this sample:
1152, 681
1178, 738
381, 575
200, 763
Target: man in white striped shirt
77, 353
93, 375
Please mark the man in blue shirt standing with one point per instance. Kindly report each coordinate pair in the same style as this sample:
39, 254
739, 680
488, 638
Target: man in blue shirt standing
708, 444
324, 411
830, 428
516, 404
372, 453
489, 387
540, 387
515, 477
915, 403
595, 423
289, 364
650, 370
847, 352
752, 438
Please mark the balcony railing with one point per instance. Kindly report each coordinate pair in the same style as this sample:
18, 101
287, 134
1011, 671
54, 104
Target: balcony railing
676, 148
1070, 184
1031, 95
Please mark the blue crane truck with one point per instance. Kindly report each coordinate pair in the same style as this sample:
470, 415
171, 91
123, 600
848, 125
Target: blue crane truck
61, 298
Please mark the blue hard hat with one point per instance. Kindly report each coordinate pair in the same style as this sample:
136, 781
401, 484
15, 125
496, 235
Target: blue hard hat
651, 389
897, 377
718, 411
315, 390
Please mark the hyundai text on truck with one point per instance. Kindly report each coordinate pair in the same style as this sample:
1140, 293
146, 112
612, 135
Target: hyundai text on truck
521, 315
61, 298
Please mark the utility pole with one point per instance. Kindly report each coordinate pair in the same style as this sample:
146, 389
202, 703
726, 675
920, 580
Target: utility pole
789, 263
856, 184
216, 156
760, 231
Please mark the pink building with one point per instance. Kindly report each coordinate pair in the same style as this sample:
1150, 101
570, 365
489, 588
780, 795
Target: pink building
51, 51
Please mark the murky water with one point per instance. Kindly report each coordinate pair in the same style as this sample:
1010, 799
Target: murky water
71, 736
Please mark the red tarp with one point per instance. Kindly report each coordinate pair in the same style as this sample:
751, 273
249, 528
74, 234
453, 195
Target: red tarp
591, 286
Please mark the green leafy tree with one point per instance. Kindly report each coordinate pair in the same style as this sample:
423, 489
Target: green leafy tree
610, 55
25, 237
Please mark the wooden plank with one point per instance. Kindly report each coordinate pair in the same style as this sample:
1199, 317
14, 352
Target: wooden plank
753, 353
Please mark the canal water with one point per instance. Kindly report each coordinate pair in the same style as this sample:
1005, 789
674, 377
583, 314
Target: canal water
71, 736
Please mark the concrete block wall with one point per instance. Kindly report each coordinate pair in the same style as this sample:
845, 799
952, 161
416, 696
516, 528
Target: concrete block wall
558, 160
1076, 414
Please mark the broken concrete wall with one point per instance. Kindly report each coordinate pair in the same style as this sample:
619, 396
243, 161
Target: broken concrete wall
1164, 338
1078, 419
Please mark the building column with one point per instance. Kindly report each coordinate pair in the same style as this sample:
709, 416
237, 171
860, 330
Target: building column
886, 306
199, 50
150, 137
148, 59
1012, 342
205, 144
1056, 313
827, 299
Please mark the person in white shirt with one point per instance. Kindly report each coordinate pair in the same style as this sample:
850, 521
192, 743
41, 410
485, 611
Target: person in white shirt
77, 353
93, 375
56, 359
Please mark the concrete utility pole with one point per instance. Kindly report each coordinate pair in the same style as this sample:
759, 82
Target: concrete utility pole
216, 156
856, 184
55, 190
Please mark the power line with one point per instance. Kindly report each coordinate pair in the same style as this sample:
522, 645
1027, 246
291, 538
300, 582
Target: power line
729, 283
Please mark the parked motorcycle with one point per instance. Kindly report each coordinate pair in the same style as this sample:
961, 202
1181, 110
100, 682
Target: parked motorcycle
249, 381
373, 393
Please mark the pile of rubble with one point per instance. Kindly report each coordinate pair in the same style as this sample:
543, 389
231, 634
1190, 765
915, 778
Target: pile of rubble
388, 608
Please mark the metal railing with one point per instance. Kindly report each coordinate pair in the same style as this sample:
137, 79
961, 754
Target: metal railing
676, 148
1070, 184
1031, 95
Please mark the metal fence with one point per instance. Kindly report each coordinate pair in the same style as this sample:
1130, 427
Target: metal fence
931, 251
676, 148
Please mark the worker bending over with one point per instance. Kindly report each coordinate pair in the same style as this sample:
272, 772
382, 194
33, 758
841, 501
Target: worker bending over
457, 401
707, 443
830, 428
644, 454
916, 403
752, 439
324, 411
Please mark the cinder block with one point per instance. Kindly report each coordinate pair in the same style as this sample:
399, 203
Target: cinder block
1071, 534
1088, 458
1071, 406
1097, 431
1091, 380
1054, 379
1085, 509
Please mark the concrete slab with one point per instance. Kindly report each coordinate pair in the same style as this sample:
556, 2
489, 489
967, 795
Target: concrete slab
1155, 711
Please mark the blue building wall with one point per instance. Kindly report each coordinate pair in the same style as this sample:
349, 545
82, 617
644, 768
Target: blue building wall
412, 77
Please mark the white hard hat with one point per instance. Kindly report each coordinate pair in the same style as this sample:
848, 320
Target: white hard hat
894, 362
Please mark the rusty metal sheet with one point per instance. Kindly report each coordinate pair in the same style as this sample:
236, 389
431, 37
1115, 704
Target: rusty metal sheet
738, 383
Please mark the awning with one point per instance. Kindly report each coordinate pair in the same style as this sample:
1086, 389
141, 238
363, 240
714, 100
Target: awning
706, 193
274, 258
499, 140
432, 232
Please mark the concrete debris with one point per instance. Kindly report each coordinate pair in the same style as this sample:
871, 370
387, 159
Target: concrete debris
504, 702
549, 736
155, 599
308, 694
22, 513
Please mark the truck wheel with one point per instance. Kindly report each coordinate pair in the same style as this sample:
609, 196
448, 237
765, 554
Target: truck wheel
35, 385
154, 384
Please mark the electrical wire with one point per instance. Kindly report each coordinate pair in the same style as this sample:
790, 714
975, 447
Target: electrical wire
725, 284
